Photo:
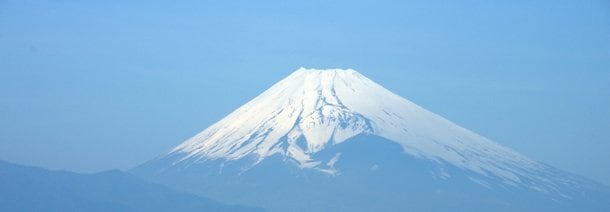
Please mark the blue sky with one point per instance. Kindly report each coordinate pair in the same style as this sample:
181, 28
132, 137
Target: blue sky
88, 86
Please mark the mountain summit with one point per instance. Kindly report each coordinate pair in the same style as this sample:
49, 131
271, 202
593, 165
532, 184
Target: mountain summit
313, 109
335, 129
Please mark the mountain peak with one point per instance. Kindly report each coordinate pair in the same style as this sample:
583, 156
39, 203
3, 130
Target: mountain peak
323, 75
313, 109
334, 138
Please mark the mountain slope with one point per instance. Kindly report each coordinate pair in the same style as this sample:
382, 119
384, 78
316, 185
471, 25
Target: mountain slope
33, 189
302, 131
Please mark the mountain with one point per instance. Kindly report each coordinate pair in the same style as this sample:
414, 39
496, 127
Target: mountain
34, 189
334, 140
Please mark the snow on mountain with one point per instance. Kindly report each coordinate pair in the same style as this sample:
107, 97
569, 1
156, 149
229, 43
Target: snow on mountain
333, 140
326, 107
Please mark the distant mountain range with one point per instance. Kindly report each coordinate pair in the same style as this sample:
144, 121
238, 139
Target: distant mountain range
334, 140
24, 188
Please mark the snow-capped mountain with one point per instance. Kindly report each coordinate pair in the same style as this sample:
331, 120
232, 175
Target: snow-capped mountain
325, 128
327, 107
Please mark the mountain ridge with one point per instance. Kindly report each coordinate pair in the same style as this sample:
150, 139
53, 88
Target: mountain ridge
27, 188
